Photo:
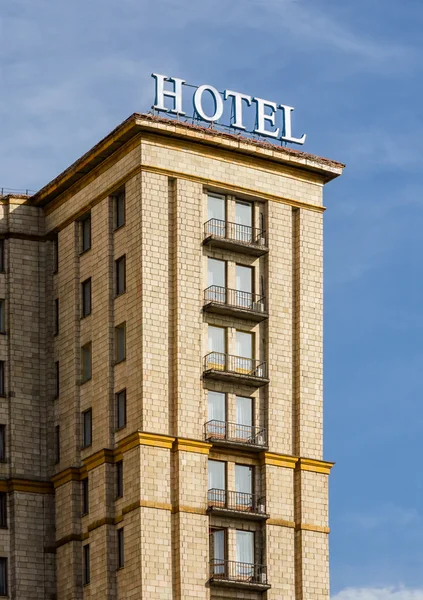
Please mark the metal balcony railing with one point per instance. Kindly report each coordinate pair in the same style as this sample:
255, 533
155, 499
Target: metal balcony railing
218, 361
241, 572
236, 232
224, 431
237, 501
234, 298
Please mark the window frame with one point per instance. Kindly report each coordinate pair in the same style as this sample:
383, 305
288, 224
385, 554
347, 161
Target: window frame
3, 443
4, 570
83, 222
120, 289
86, 565
85, 493
85, 376
118, 396
121, 547
2, 379
118, 329
3, 510
86, 285
119, 479
87, 440
116, 198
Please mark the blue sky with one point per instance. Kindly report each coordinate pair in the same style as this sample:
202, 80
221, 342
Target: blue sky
71, 71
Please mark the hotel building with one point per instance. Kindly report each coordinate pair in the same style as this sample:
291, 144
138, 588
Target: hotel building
161, 373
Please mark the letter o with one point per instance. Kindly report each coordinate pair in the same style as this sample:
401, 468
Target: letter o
218, 103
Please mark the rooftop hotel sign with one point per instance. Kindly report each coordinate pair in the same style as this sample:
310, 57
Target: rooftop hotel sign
271, 119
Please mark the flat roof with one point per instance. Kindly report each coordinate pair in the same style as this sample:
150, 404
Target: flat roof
138, 123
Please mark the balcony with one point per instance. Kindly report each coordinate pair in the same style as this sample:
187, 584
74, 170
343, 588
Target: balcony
238, 574
236, 237
230, 504
225, 301
222, 433
235, 369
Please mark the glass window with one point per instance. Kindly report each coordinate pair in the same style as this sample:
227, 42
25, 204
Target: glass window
244, 221
2, 443
121, 548
2, 378
3, 576
120, 343
216, 406
86, 297
121, 409
85, 496
2, 316
244, 344
216, 215
87, 574
3, 509
244, 286
245, 551
86, 359
57, 441
119, 209
85, 229
243, 479
217, 475
216, 291
217, 551
217, 339
2, 261
120, 273
244, 410
87, 425
119, 479
56, 379
56, 316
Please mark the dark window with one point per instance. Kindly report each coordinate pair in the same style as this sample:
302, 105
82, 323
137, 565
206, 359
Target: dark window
56, 379
86, 360
2, 443
2, 378
2, 316
56, 316
121, 548
119, 479
119, 209
3, 576
56, 254
121, 409
3, 509
86, 564
85, 230
120, 266
120, 342
2, 261
86, 297
57, 435
87, 428
85, 496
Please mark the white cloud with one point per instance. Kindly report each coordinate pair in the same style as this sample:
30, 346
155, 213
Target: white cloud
382, 593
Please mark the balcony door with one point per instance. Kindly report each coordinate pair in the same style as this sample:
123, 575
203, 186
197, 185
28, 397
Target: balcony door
217, 552
244, 352
245, 554
217, 483
216, 290
244, 419
244, 286
216, 209
244, 487
216, 426
217, 348
244, 221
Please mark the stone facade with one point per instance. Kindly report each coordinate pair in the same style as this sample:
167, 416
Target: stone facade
66, 503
